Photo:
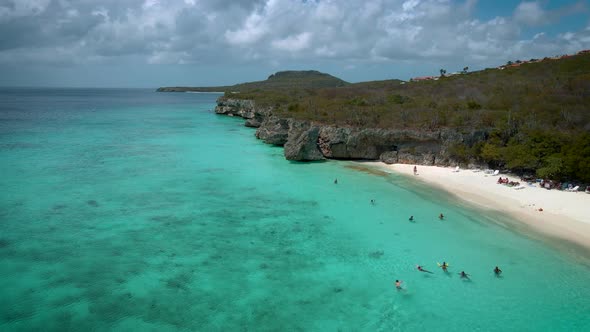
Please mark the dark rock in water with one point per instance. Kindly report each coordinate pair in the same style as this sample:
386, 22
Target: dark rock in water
4, 243
58, 207
376, 254
302, 142
274, 130
92, 203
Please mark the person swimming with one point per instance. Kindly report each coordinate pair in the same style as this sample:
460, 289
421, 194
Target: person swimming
421, 269
464, 275
411, 218
373, 201
441, 216
444, 266
497, 271
335, 181
398, 284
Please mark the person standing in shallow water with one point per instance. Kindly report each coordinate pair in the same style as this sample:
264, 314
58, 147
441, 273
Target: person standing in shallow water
415, 170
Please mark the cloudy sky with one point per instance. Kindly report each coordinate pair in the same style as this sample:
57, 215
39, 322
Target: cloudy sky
150, 43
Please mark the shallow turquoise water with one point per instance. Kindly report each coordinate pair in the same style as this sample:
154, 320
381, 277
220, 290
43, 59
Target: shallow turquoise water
132, 210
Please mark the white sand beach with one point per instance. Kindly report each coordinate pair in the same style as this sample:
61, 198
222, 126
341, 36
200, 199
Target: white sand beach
564, 215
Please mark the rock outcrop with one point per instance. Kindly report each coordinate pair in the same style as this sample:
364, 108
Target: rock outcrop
388, 145
235, 107
302, 142
305, 141
259, 116
273, 130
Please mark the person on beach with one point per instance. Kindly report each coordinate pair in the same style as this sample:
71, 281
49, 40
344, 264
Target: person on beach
464, 275
335, 181
415, 170
421, 269
398, 284
497, 271
441, 216
411, 218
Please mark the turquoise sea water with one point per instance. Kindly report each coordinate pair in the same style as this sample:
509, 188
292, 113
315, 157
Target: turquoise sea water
131, 210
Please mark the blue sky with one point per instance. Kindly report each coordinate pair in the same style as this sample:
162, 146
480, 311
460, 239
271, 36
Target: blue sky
151, 43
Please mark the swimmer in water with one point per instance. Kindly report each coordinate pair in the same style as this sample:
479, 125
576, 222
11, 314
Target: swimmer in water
464, 275
398, 284
335, 181
441, 217
421, 269
497, 271
411, 218
444, 266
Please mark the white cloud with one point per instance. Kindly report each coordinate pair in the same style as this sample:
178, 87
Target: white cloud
225, 31
530, 13
293, 43
410, 4
252, 30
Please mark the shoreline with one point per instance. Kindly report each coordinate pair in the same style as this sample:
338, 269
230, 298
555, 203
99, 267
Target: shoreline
564, 216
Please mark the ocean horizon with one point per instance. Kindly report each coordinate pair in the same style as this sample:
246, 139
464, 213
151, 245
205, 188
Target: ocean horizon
128, 209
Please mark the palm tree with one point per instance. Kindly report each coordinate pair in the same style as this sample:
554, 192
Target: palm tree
443, 72
465, 70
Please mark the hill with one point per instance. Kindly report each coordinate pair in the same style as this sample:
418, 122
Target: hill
283, 80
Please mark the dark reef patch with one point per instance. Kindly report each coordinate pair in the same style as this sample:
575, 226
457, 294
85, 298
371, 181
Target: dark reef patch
376, 254
58, 207
92, 203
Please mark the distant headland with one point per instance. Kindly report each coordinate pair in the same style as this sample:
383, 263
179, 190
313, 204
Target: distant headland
308, 79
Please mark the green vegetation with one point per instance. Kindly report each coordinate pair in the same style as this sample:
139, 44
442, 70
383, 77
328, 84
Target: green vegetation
537, 114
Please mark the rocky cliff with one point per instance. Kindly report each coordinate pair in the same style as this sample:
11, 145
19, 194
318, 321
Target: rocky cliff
305, 141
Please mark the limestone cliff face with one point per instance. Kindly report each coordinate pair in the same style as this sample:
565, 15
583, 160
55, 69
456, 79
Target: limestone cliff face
235, 107
302, 142
273, 130
305, 141
243, 108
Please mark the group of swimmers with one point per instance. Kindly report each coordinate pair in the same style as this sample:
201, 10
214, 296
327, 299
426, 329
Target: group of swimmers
444, 266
